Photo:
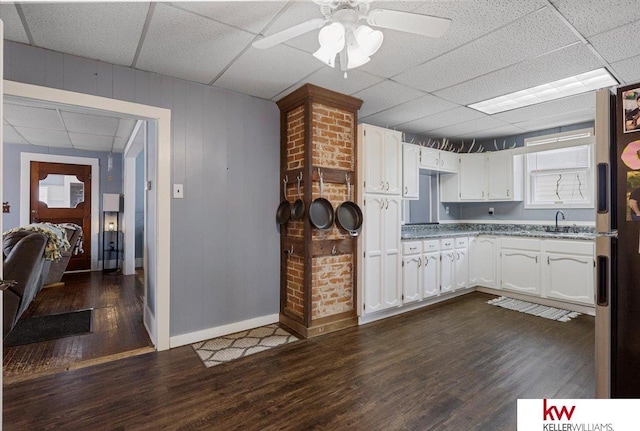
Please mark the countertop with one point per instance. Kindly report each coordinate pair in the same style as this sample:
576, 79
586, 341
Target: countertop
418, 232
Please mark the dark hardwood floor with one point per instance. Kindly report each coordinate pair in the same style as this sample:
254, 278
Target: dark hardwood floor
460, 365
117, 327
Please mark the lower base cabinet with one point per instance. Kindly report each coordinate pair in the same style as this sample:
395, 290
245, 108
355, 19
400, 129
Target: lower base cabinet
430, 275
569, 271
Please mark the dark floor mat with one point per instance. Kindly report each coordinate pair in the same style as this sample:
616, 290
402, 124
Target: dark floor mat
44, 328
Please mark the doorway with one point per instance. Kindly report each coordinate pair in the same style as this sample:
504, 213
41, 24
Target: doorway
60, 193
159, 119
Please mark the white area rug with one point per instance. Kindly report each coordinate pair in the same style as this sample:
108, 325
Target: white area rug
534, 309
229, 347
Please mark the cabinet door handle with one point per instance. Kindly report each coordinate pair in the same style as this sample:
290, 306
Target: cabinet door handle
536, 259
507, 192
387, 185
548, 261
381, 204
419, 262
406, 190
483, 193
441, 162
387, 207
381, 185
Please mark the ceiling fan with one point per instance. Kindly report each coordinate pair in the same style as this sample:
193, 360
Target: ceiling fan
341, 31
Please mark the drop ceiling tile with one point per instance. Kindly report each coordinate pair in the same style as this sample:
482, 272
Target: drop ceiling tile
556, 65
119, 144
27, 116
442, 119
86, 140
267, 72
466, 127
591, 17
125, 128
526, 38
412, 110
49, 138
548, 109
614, 46
557, 120
498, 132
13, 28
94, 124
198, 52
384, 96
253, 17
628, 69
470, 20
333, 78
10, 136
104, 31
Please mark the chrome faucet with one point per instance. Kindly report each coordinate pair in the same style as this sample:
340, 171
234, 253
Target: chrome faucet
563, 218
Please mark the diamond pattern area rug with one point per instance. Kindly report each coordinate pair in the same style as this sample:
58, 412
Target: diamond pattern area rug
534, 309
229, 347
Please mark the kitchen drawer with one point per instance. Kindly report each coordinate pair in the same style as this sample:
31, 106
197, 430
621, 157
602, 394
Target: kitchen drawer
411, 247
462, 242
570, 247
447, 243
430, 245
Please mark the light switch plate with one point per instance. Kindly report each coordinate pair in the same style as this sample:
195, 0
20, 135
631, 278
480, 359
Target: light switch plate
178, 191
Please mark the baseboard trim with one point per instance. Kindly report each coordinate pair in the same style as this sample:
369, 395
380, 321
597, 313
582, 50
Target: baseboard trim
362, 320
218, 331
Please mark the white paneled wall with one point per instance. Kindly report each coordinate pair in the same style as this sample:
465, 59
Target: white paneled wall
225, 150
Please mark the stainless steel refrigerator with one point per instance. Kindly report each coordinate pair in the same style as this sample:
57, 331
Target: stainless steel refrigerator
618, 243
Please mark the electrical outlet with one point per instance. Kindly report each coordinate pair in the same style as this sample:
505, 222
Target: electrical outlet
178, 191
446, 210
491, 211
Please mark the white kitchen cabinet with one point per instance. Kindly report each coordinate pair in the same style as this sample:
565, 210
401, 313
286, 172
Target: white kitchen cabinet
381, 156
410, 171
520, 271
504, 176
430, 275
520, 265
411, 267
448, 161
438, 161
382, 284
447, 265
482, 262
495, 176
411, 270
473, 177
462, 263
569, 271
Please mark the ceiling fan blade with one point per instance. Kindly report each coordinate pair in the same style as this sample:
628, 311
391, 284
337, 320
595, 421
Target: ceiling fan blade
289, 33
425, 25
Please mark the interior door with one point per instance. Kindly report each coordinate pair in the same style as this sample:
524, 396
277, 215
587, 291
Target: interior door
61, 193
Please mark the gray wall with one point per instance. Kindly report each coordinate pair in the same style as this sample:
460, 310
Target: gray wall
11, 174
225, 150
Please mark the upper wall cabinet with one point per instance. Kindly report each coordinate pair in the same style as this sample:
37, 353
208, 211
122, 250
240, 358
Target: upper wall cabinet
495, 176
381, 158
439, 161
410, 171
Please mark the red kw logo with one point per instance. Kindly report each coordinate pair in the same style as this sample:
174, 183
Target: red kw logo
548, 412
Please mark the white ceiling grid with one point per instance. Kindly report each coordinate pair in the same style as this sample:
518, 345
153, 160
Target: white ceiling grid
413, 83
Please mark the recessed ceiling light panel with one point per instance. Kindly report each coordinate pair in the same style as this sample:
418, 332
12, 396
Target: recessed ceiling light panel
582, 83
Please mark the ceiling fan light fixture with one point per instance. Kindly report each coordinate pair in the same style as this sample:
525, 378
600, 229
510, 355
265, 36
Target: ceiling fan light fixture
369, 39
326, 56
356, 57
331, 37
